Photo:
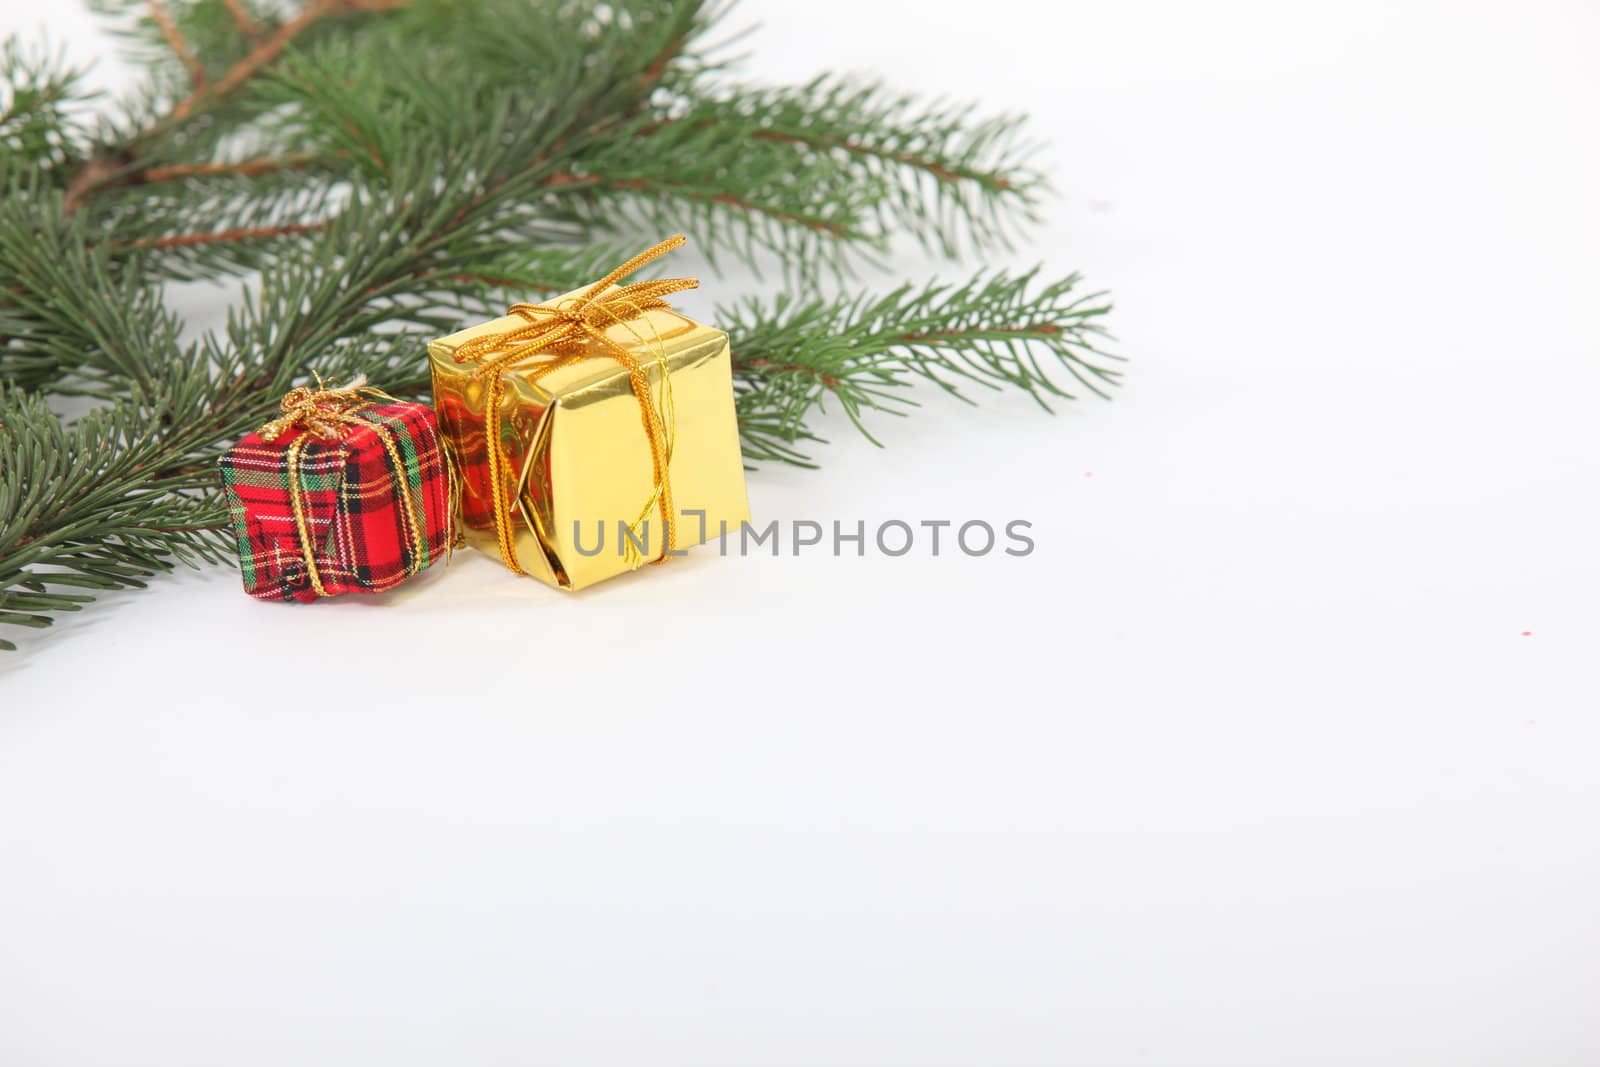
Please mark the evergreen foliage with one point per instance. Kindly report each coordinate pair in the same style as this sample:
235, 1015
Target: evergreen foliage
379, 172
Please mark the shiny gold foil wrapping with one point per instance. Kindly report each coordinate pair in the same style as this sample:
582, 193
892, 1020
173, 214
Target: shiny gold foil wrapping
578, 462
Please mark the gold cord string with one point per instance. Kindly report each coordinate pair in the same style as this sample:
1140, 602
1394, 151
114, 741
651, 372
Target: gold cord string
584, 317
297, 501
327, 413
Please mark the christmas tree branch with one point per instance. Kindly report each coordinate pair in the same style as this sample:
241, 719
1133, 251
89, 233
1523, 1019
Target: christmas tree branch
265, 52
740, 204
68, 517
792, 356
949, 177
377, 196
244, 168
180, 47
254, 233
115, 164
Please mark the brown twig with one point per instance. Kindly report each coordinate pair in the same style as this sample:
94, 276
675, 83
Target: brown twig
271, 48
242, 71
98, 172
169, 29
832, 229
243, 20
1044, 329
105, 170
935, 169
656, 70
247, 168
762, 363
257, 233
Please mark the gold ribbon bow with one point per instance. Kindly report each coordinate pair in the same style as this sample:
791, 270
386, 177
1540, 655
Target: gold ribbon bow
556, 333
326, 414
322, 412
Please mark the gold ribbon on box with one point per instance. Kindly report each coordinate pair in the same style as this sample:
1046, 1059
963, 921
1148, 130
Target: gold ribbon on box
555, 334
326, 414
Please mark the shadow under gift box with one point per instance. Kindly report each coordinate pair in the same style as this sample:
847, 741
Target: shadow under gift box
577, 454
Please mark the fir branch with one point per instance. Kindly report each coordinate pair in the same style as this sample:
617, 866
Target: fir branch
263, 54
379, 201
542, 271
252, 233
180, 47
733, 195
950, 177
116, 164
70, 314
793, 356
244, 168
746, 205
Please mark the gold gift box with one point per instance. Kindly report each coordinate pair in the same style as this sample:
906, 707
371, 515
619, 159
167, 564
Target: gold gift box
578, 463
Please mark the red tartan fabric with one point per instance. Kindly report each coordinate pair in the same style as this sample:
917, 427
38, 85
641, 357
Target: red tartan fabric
353, 506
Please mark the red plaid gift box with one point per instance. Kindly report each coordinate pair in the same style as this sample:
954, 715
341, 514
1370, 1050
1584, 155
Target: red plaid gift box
348, 492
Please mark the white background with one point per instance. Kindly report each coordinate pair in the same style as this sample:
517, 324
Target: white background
1281, 749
